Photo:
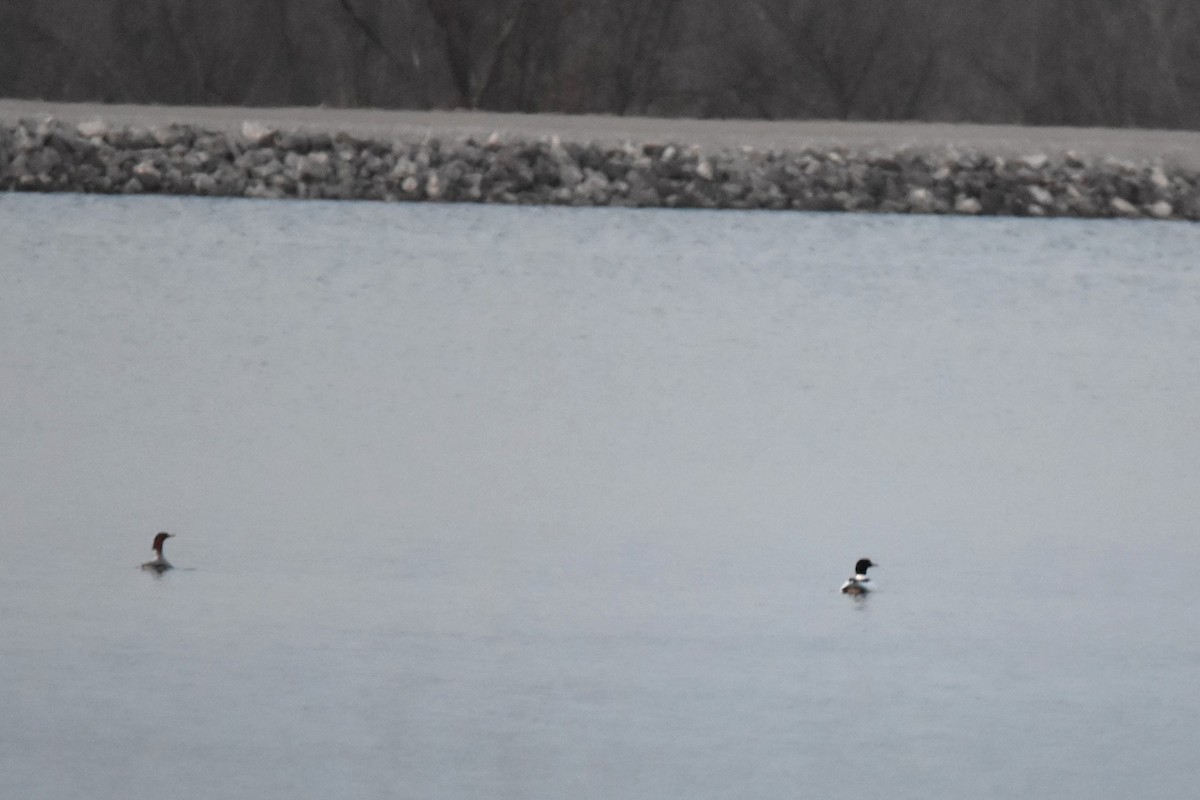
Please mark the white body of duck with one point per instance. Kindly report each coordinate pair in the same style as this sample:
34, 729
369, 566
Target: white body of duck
859, 583
159, 563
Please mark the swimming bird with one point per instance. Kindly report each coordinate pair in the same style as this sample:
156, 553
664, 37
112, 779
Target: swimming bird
859, 583
159, 563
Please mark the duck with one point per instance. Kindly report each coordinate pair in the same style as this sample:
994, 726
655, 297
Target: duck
159, 563
859, 583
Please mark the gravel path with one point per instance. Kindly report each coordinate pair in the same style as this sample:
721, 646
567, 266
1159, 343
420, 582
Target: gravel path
1172, 148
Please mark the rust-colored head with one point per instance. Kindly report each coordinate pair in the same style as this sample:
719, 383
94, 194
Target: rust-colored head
158, 541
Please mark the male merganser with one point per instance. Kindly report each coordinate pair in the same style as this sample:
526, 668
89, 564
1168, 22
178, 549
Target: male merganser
859, 583
159, 564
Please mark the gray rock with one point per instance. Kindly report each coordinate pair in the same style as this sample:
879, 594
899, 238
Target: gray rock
1161, 209
1123, 208
1041, 196
259, 161
256, 133
967, 205
920, 200
147, 174
92, 128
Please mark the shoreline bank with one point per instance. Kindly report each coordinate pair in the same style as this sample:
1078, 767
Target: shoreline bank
596, 161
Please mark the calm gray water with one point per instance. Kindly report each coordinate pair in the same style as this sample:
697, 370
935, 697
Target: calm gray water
531, 503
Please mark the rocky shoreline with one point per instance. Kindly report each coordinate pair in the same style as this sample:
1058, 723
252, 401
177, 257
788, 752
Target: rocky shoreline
49, 155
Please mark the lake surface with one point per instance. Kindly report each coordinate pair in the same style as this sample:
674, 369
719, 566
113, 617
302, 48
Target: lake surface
478, 502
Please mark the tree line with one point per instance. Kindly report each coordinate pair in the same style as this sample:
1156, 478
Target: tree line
1066, 62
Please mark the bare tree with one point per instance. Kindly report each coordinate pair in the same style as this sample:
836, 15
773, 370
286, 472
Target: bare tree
1100, 62
71, 66
643, 37
534, 60
1081, 62
475, 37
846, 59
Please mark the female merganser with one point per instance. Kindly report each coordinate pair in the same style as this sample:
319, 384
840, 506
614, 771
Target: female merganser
859, 583
159, 564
